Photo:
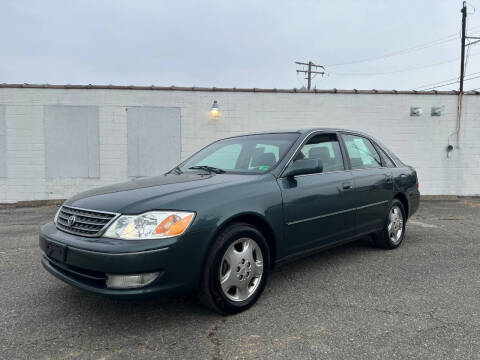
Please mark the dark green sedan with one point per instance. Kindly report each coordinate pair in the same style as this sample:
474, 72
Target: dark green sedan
220, 221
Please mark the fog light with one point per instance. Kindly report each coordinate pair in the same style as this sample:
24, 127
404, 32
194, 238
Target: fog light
130, 281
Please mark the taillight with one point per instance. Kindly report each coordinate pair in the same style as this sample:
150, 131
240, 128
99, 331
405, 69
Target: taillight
418, 185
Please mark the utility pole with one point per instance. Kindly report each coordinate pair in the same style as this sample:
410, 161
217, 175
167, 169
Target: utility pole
308, 72
462, 74
471, 41
462, 60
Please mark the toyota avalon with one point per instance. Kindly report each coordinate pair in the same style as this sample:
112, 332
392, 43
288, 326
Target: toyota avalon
217, 223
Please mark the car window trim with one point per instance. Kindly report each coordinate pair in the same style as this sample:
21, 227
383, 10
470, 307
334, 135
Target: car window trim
343, 147
314, 174
371, 142
310, 135
382, 152
374, 143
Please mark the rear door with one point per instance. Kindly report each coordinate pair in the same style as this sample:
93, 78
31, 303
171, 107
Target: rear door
373, 182
318, 207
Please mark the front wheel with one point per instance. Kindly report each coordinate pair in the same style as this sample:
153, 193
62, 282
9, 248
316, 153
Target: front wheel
394, 229
236, 269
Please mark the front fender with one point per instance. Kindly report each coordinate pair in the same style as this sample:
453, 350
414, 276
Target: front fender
261, 199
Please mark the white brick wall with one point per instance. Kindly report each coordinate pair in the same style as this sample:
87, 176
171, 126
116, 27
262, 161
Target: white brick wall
419, 141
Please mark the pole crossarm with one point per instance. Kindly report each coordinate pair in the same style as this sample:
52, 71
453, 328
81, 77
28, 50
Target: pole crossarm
308, 73
312, 72
473, 42
307, 64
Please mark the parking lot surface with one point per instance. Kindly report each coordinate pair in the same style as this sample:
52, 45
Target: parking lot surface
419, 301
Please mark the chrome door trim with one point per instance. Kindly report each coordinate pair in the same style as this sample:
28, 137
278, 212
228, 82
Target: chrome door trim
320, 216
372, 204
336, 213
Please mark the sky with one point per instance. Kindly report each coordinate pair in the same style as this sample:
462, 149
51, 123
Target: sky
245, 43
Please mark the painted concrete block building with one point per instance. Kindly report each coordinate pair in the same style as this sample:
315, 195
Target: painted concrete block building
56, 141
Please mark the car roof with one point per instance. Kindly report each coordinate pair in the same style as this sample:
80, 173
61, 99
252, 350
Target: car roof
302, 131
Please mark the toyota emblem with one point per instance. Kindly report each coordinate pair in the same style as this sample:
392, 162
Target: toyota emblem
71, 220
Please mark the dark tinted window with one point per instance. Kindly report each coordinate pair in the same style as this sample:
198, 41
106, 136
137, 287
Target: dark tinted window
324, 148
361, 152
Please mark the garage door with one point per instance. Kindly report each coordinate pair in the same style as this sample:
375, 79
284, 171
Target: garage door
154, 141
71, 141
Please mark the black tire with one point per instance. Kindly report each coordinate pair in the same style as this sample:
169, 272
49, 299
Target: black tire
383, 239
211, 293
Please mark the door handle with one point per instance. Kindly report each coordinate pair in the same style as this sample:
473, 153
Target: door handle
346, 186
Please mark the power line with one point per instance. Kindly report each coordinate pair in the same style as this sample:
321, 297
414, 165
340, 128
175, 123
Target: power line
443, 81
404, 70
440, 41
396, 53
454, 82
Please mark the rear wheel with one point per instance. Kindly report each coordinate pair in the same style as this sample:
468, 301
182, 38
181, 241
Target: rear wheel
236, 269
394, 229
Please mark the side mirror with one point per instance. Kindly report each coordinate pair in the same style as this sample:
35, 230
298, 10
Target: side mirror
303, 167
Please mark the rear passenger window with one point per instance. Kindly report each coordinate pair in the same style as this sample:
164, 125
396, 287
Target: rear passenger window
361, 152
324, 148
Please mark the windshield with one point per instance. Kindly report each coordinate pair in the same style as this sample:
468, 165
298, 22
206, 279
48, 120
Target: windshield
244, 154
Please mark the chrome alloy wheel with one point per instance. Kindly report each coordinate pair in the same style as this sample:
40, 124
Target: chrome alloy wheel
241, 269
395, 225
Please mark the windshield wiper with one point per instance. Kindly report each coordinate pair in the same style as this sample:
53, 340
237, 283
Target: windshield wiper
208, 168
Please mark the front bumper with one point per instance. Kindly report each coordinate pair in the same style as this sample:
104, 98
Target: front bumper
84, 262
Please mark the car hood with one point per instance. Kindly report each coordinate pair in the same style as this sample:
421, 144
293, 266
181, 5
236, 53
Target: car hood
167, 191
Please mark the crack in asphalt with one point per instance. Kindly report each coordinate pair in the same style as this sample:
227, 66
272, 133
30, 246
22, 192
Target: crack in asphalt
431, 315
428, 314
383, 311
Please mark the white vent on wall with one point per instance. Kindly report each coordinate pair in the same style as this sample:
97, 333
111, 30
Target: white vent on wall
416, 111
437, 110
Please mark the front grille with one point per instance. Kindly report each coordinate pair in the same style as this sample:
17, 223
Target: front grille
84, 222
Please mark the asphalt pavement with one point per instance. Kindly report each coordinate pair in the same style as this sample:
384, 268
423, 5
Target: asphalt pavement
352, 302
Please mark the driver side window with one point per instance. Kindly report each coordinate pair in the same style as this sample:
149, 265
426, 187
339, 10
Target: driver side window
324, 147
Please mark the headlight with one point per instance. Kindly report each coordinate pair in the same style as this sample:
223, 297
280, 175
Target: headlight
150, 225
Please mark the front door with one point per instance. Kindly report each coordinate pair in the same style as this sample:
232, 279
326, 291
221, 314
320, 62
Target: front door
318, 207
